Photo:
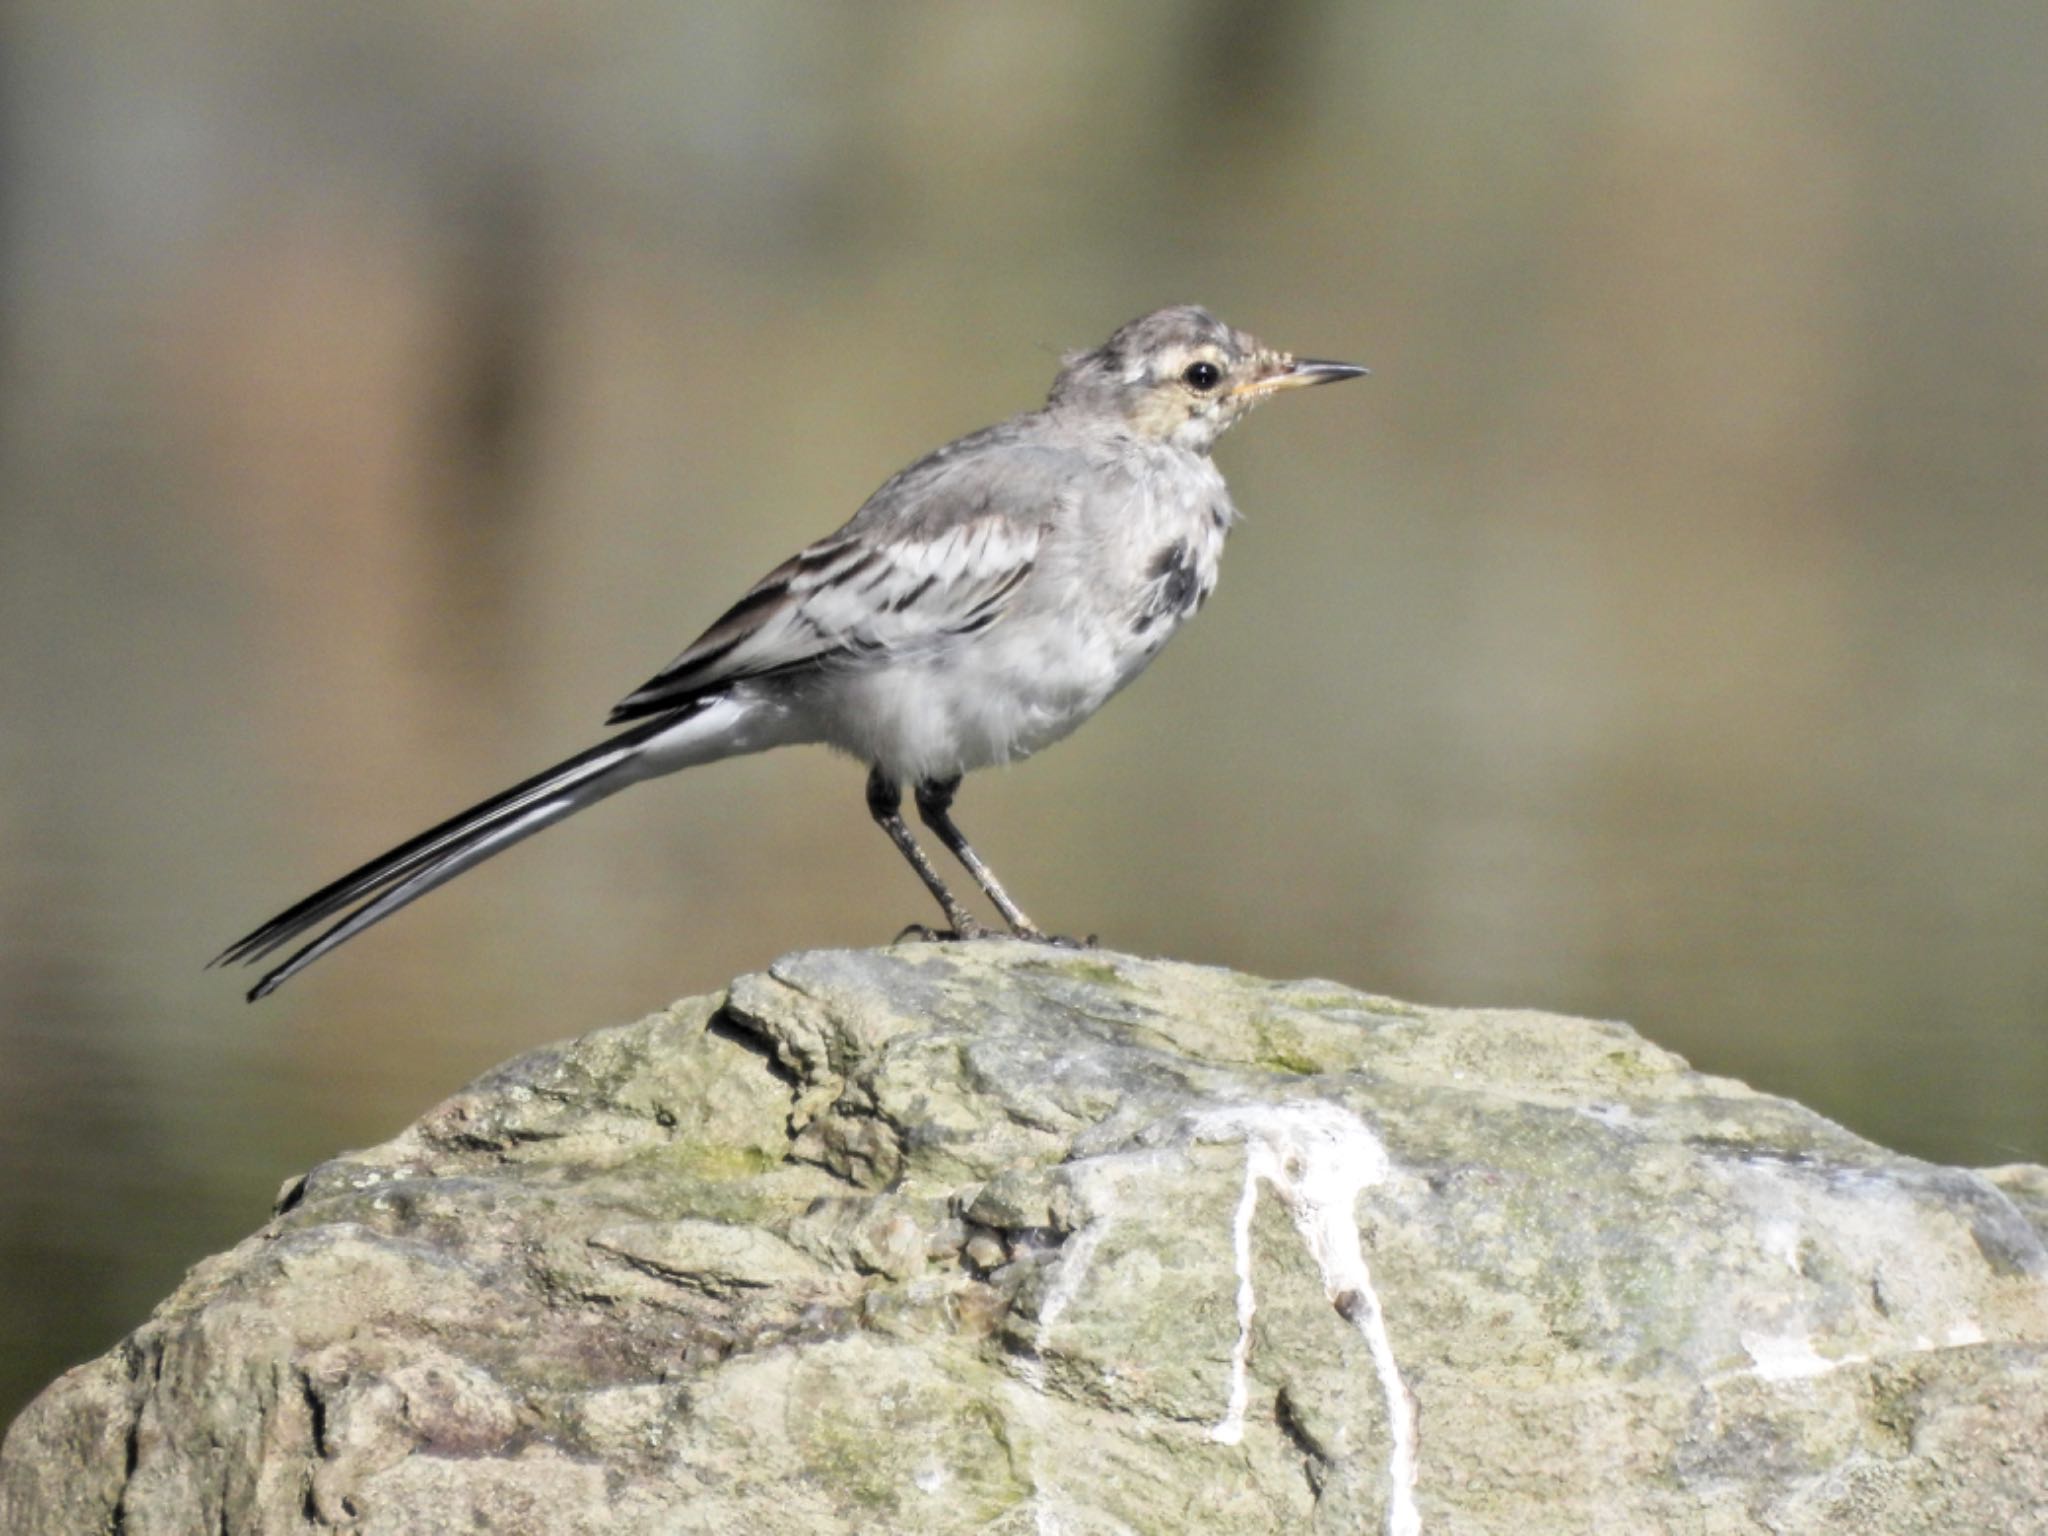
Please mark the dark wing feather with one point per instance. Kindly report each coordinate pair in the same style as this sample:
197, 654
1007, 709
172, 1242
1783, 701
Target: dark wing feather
944, 566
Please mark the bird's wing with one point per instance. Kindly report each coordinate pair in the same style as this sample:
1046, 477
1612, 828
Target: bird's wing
881, 586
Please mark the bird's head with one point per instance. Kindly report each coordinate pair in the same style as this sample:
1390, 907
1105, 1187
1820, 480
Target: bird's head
1182, 376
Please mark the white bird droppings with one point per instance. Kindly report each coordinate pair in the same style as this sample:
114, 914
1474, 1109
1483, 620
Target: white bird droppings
1790, 1357
1317, 1157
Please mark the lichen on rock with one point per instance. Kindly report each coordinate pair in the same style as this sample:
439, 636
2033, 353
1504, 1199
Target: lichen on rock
994, 1238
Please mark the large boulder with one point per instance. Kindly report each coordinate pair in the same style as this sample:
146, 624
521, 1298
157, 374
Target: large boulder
999, 1238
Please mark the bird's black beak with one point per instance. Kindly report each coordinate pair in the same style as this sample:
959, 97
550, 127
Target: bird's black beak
1300, 373
1312, 370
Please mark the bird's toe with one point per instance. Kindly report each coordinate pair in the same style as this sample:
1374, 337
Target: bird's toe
927, 935
1032, 935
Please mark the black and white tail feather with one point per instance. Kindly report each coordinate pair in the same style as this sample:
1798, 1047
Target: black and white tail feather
439, 854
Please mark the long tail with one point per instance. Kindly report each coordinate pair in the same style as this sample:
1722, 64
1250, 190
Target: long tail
698, 733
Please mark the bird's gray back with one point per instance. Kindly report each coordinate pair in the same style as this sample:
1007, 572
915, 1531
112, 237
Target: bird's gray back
1017, 469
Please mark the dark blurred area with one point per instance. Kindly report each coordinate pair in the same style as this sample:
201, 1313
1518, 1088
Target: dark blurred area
1662, 633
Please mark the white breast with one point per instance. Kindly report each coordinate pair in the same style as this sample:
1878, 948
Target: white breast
1101, 603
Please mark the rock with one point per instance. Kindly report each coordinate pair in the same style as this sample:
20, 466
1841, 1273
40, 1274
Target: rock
995, 1238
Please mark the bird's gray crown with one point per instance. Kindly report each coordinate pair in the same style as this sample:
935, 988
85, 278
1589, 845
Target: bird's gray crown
1134, 354
1177, 375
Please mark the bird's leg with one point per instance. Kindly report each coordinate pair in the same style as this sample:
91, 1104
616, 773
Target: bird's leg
885, 804
934, 806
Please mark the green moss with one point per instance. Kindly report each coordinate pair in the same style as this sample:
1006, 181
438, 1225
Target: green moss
710, 1160
1325, 1002
1281, 1048
1101, 972
742, 1185
1631, 1066
1390, 1007
873, 1459
1284, 1046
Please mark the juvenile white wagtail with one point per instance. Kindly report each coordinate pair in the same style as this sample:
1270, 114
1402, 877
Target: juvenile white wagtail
983, 603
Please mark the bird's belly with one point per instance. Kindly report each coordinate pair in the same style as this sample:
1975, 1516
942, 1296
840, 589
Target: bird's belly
1022, 685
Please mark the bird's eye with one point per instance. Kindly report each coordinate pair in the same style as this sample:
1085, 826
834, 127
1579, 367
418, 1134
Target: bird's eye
1202, 376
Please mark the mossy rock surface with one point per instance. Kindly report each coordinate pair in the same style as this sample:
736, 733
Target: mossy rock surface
991, 1238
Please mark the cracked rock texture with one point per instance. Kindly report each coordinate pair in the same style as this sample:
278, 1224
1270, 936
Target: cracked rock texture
993, 1238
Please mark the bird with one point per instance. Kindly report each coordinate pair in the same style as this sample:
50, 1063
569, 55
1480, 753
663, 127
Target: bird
979, 606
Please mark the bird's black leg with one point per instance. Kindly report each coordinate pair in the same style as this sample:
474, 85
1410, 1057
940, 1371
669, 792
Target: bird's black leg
934, 805
885, 804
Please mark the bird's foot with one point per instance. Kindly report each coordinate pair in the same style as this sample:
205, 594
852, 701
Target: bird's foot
970, 929
959, 933
1031, 935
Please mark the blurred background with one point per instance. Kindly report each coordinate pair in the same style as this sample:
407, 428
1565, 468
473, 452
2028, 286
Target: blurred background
1661, 634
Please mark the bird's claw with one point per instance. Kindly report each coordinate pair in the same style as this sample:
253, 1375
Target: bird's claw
1056, 940
924, 934
927, 935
